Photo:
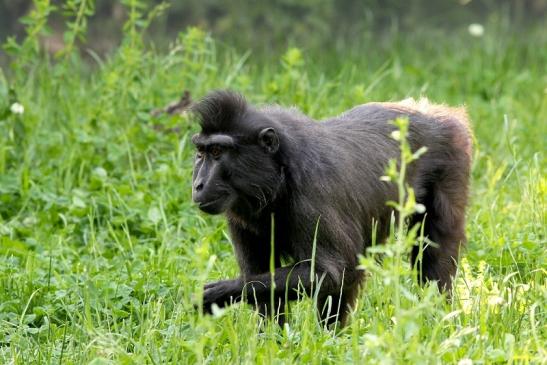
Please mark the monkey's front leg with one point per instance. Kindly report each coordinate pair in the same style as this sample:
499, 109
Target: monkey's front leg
257, 288
222, 292
231, 291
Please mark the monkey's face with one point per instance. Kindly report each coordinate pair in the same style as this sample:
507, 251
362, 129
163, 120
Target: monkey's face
235, 175
211, 189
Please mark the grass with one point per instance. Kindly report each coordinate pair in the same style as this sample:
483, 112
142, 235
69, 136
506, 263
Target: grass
102, 254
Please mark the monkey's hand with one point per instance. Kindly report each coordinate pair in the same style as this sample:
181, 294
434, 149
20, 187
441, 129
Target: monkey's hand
223, 292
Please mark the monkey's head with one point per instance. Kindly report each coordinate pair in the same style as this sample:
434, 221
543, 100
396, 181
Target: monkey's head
237, 165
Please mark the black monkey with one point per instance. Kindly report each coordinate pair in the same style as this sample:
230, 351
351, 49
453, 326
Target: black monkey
323, 180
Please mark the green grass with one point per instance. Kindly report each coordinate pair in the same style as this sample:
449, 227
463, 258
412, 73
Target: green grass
103, 255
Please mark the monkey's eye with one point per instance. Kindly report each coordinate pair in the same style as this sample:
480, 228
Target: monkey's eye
215, 151
199, 155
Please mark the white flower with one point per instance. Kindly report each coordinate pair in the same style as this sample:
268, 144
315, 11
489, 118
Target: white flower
476, 30
465, 362
17, 108
419, 208
100, 172
495, 300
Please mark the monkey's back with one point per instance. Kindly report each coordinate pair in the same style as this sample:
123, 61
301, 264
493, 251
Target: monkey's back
360, 140
366, 129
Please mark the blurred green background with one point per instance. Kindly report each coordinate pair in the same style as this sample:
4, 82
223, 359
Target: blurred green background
267, 26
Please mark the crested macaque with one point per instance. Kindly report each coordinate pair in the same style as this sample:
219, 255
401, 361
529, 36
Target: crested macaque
321, 182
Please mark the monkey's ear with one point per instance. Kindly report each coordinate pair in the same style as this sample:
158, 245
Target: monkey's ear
268, 139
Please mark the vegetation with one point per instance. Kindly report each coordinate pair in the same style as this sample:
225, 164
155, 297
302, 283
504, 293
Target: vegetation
103, 255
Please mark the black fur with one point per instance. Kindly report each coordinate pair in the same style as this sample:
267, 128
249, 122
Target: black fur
324, 175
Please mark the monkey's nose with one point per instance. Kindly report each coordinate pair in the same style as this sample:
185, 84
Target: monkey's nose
198, 186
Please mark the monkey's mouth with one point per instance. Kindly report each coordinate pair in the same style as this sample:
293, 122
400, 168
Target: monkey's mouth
214, 206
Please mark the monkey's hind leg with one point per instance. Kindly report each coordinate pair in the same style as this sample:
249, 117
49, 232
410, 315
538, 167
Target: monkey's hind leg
445, 227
